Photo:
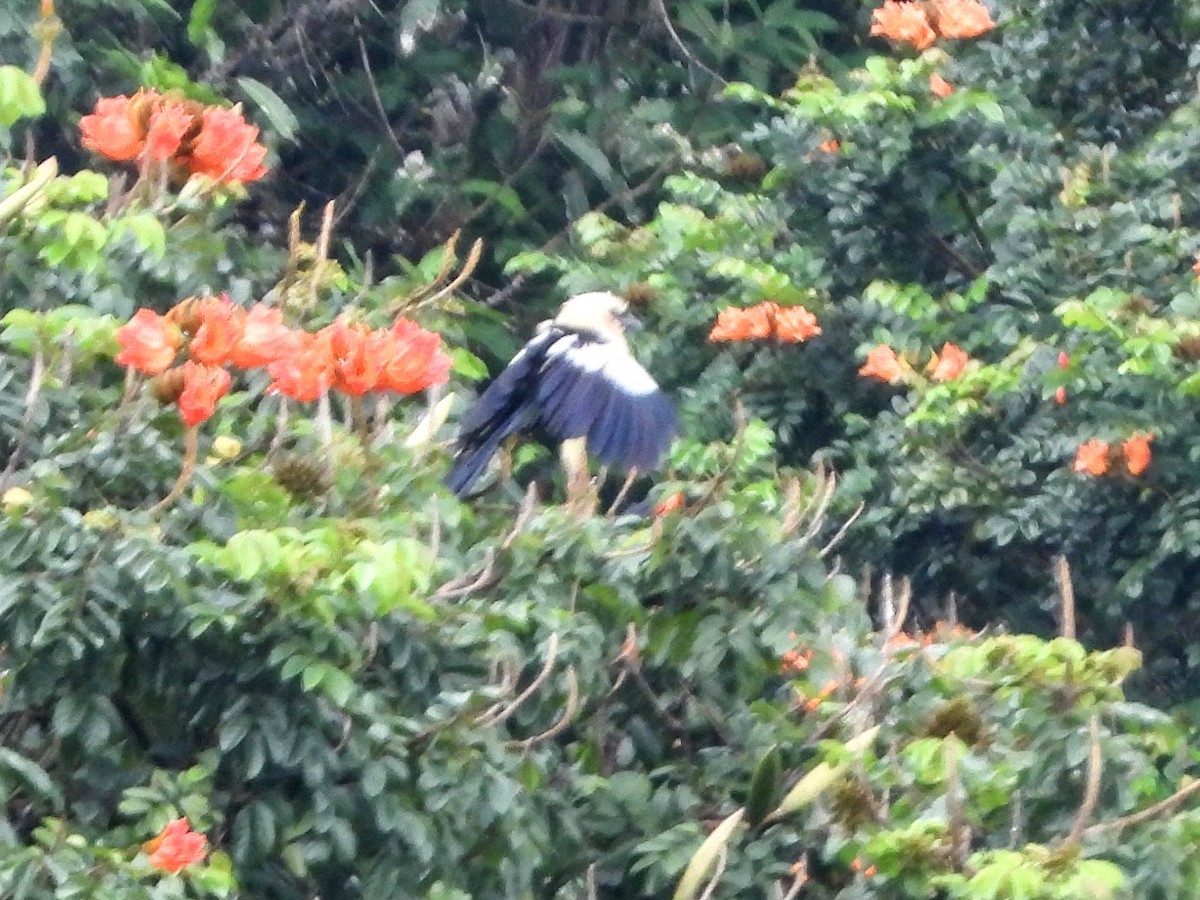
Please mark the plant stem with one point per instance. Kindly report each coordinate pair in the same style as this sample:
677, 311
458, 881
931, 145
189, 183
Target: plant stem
191, 439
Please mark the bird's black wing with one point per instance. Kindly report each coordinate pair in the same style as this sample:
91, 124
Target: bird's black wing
593, 388
504, 408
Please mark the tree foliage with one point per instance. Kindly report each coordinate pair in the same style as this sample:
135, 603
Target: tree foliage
830, 652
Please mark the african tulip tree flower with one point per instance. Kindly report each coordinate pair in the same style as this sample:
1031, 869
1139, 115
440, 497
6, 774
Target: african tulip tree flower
939, 86
1091, 458
417, 361
203, 386
795, 324
148, 342
220, 324
227, 147
1136, 451
192, 137
789, 324
904, 23
883, 364
264, 338
112, 130
307, 372
669, 504
165, 130
176, 847
961, 18
743, 324
949, 364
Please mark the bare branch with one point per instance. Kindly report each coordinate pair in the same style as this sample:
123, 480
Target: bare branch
1091, 791
1066, 592
510, 708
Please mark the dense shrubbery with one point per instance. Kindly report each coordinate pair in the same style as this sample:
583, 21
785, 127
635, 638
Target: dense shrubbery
356, 686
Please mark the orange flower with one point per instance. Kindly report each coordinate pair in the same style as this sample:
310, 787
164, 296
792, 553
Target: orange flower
940, 87
112, 129
904, 23
1060, 396
1137, 453
1063, 360
359, 356
307, 372
417, 359
795, 324
165, 130
948, 365
263, 340
738, 324
226, 148
669, 504
203, 386
795, 661
222, 324
829, 145
148, 342
882, 363
961, 18
1091, 458
176, 847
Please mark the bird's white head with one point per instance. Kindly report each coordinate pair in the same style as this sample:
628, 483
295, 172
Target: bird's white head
598, 311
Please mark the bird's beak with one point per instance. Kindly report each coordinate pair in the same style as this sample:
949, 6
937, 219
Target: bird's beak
630, 322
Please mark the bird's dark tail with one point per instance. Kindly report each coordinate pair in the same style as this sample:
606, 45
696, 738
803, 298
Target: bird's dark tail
470, 462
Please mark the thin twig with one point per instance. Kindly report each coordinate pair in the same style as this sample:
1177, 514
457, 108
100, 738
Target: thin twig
711, 887
511, 707
841, 532
37, 376
660, 7
960, 831
470, 582
623, 493
1091, 791
374, 89
1066, 592
799, 879
568, 716
186, 468
1145, 815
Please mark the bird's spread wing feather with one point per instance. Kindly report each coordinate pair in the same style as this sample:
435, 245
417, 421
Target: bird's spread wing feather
595, 388
571, 384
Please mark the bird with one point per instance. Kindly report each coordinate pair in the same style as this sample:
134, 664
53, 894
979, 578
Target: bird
575, 382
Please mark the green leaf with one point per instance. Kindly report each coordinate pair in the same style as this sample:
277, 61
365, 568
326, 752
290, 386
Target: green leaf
20, 97
32, 775
199, 21
281, 117
764, 786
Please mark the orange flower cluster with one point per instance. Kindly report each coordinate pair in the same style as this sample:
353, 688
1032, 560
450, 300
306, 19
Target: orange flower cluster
669, 504
795, 660
939, 86
1060, 395
856, 865
789, 324
404, 359
949, 364
942, 632
1099, 458
922, 23
883, 364
176, 847
188, 136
